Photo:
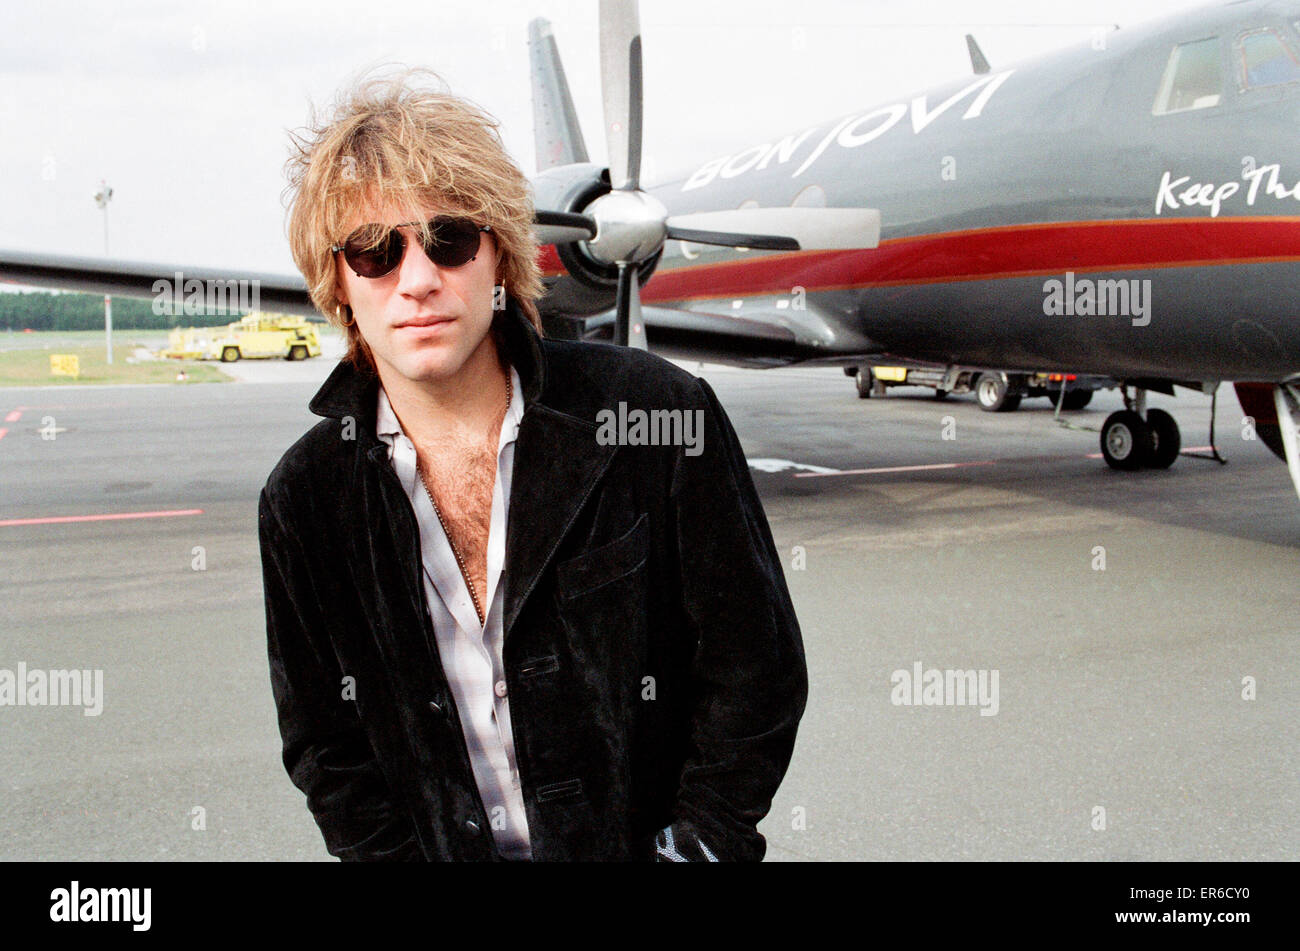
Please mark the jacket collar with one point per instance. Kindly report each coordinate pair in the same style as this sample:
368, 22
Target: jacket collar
350, 391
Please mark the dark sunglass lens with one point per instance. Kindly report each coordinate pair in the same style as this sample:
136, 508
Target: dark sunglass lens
455, 241
374, 256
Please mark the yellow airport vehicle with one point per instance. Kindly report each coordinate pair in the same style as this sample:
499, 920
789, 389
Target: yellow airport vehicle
258, 335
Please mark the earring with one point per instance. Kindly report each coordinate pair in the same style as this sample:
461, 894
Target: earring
349, 321
499, 297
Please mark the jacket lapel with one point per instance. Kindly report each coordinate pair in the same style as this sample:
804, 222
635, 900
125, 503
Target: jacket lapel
557, 464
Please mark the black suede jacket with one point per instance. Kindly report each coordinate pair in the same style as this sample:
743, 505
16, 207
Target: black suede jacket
653, 660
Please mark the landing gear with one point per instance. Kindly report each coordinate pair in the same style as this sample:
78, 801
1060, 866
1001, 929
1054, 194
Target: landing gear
1286, 398
1136, 438
1125, 441
1165, 441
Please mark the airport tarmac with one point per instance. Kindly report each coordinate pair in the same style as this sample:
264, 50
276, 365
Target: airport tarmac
1125, 615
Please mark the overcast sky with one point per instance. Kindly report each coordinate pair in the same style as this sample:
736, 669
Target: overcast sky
184, 108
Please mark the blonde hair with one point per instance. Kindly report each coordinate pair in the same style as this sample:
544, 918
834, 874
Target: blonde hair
392, 141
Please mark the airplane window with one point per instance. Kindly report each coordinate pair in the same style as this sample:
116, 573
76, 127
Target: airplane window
1265, 60
1193, 79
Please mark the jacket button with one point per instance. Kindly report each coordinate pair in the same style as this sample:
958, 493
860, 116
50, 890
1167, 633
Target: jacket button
472, 827
435, 707
500, 688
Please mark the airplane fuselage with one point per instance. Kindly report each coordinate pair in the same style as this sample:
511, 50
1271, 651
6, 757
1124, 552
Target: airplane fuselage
1034, 218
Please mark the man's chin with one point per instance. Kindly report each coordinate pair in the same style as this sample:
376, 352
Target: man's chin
429, 367
429, 362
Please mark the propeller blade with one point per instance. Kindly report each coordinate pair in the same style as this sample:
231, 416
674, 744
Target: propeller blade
781, 229
620, 81
629, 326
562, 227
734, 239
559, 234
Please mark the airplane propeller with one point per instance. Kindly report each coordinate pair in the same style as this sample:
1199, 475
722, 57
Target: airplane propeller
627, 226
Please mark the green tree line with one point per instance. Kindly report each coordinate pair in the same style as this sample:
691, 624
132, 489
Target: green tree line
43, 310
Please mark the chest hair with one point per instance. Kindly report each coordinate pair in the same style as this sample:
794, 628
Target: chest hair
461, 476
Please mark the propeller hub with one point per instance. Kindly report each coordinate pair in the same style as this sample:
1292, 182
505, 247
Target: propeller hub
629, 227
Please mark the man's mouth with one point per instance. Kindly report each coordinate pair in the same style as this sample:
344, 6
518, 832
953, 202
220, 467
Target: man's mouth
430, 321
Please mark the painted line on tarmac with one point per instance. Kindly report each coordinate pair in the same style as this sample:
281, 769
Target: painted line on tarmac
956, 465
929, 468
58, 519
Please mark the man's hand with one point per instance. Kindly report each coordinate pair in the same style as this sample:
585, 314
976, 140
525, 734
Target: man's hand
681, 842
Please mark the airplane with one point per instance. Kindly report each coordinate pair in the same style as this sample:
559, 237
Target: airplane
1125, 209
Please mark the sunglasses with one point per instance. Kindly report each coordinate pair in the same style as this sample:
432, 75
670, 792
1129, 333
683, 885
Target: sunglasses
375, 250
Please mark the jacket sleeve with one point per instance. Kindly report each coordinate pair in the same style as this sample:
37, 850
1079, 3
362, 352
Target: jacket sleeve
750, 681
326, 751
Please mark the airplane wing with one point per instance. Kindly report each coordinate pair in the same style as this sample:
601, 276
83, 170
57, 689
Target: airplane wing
275, 292
756, 334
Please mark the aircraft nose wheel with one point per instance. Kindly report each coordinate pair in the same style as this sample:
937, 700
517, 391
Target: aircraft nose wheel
1165, 441
1126, 441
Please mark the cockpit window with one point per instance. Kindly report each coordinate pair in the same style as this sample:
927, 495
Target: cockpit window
1263, 59
1193, 79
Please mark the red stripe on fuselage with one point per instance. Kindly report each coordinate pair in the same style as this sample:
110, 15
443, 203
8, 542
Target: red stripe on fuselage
985, 254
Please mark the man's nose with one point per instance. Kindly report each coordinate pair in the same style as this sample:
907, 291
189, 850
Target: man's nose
417, 275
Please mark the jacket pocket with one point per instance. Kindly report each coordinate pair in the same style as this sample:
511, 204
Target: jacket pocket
611, 561
570, 789
601, 598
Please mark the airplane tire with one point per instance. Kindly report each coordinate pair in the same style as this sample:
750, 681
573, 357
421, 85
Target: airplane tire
229, 354
866, 381
1166, 443
994, 393
1126, 442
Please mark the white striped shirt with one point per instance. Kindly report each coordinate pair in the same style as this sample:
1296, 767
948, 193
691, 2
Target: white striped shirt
470, 653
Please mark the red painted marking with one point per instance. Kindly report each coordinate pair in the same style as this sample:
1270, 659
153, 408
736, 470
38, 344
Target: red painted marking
992, 253
983, 254
58, 519
2, 432
13, 416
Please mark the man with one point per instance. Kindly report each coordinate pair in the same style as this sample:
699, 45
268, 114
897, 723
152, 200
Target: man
492, 634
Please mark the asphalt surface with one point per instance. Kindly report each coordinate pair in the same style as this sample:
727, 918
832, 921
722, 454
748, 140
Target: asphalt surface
1118, 689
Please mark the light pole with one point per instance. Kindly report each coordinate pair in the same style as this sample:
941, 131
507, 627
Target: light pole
102, 197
